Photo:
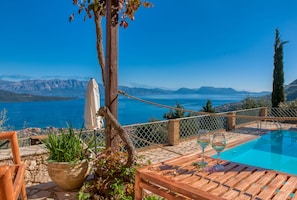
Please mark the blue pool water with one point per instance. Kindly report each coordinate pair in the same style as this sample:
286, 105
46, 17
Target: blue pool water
276, 150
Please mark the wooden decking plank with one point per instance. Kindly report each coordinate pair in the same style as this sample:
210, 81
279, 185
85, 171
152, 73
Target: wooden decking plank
214, 175
183, 159
294, 197
229, 166
254, 177
230, 174
242, 185
235, 192
202, 174
220, 190
215, 185
243, 174
256, 187
231, 194
243, 196
211, 180
210, 185
212, 162
183, 176
199, 183
271, 188
190, 179
287, 189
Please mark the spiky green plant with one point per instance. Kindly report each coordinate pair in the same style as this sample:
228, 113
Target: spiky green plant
65, 147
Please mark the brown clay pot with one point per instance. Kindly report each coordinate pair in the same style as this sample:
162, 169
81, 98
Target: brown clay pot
68, 176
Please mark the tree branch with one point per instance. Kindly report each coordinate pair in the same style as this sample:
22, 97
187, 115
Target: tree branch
99, 43
104, 111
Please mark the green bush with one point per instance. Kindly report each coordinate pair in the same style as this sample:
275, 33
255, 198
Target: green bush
112, 180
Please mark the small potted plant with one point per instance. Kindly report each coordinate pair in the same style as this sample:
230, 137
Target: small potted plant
68, 164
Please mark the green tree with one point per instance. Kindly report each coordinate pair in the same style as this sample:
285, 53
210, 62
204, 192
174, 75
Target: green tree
249, 102
178, 113
278, 91
208, 107
290, 104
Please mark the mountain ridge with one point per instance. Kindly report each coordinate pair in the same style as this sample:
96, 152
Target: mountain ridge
7, 96
73, 88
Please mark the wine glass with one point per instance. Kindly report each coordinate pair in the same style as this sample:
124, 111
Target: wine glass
219, 144
203, 140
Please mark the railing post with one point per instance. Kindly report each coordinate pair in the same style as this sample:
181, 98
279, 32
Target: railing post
264, 112
173, 132
231, 120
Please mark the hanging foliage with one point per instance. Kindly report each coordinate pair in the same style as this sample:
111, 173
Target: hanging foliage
126, 9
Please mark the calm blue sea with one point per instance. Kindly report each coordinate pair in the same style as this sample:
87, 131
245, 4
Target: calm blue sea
58, 113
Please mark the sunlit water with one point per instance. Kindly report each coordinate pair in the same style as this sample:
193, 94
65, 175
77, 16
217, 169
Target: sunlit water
58, 113
275, 150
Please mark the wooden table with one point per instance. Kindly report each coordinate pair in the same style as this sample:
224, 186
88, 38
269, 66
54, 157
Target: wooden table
180, 179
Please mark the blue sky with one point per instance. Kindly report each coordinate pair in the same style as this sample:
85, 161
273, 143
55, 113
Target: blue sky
219, 43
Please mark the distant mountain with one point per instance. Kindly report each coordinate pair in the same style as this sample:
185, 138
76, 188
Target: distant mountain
6, 96
144, 91
55, 87
213, 90
77, 88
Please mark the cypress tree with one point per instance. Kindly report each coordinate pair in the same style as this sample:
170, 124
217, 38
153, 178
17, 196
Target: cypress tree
278, 91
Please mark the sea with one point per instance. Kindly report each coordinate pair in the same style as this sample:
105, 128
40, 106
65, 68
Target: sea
58, 114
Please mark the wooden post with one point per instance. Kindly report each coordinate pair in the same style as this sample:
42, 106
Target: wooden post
264, 112
231, 120
173, 132
111, 68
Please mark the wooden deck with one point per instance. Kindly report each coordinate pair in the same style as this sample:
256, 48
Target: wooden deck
180, 179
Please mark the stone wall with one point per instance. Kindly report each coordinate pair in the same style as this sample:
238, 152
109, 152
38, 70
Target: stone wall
35, 158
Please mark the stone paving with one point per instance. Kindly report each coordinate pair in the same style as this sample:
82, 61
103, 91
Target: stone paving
49, 191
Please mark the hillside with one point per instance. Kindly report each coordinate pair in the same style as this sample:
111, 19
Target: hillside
55, 87
291, 91
6, 96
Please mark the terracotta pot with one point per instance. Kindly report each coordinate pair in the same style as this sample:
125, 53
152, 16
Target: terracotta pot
68, 176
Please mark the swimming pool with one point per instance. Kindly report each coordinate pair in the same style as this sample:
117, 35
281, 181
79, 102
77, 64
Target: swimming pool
276, 150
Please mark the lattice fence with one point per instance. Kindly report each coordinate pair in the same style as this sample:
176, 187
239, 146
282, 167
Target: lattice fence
282, 112
247, 112
98, 143
148, 134
189, 126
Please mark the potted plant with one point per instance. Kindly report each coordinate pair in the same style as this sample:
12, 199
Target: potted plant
68, 164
